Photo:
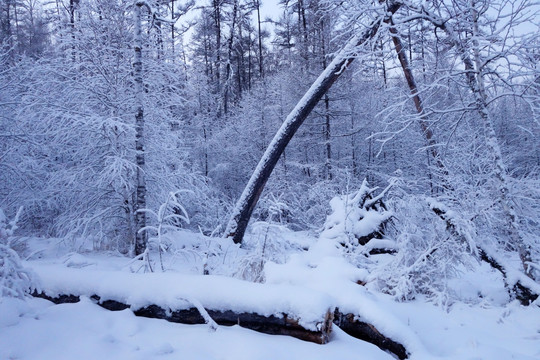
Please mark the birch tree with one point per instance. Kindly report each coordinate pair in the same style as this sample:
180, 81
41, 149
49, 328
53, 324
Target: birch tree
141, 237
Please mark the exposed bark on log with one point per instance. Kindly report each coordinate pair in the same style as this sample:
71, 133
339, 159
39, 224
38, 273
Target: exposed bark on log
367, 332
380, 251
60, 299
274, 325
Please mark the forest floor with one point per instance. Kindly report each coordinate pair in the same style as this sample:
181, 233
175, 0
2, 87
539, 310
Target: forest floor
36, 329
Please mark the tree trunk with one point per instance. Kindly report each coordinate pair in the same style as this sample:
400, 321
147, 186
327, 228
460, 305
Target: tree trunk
474, 75
140, 197
246, 204
72, 6
327, 129
228, 67
217, 27
367, 332
5, 20
261, 69
172, 32
426, 131
477, 86
411, 82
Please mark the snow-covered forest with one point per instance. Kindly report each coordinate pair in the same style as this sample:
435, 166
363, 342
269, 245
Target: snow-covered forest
359, 174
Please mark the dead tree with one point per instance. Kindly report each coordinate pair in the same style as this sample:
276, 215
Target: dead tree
246, 204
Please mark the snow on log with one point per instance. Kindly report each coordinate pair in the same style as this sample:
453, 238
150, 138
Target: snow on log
269, 308
279, 324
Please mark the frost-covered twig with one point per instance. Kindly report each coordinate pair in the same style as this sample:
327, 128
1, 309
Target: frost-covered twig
207, 318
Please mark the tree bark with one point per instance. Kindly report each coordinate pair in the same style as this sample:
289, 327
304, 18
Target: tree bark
217, 26
327, 128
140, 192
367, 332
246, 204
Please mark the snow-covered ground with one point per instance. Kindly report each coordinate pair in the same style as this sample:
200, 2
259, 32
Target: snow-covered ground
36, 330
307, 284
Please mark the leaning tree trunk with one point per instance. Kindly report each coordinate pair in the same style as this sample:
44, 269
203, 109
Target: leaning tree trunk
246, 204
474, 75
140, 195
418, 104
476, 84
522, 290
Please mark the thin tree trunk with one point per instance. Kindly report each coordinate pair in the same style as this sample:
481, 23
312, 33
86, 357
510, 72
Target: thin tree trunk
411, 82
228, 68
246, 204
172, 32
261, 69
327, 134
6, 26
217, 27
327, 130
72, 6
140, 197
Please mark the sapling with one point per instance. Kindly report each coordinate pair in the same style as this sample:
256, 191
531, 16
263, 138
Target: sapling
15, 280
169, 216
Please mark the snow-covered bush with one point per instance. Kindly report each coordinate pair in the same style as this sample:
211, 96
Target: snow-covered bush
266, 242
402, 242
358, 220
274, 209
171, 215
428, 256
15, 280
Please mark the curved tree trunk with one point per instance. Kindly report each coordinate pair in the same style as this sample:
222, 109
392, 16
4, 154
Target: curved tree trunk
245, 205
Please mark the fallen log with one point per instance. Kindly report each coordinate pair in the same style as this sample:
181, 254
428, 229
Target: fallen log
353, 326
282, 324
